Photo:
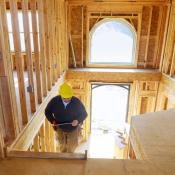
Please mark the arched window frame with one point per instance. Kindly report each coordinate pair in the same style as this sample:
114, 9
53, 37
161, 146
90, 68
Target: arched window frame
120, 65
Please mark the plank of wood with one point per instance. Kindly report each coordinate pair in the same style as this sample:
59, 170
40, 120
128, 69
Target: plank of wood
9, 127
165, 32
36, 143
36, 49
47, 134
113, 75
42, 45
25, 12
2, 132
46, 7
157, 43
47, 155
172, 70
19, 65
82, 36
42, 138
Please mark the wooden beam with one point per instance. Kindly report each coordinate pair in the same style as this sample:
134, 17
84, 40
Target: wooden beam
47, 134
172, 70
42, 138
47, 155
157, 42
139, 26
118, 2
115, 75
36, 49
6, 59
19, 66
31, 88
148, 37
47, 44
165, 33
82, 35
169, 43
42, 45
2, 145
73, 52
36, 143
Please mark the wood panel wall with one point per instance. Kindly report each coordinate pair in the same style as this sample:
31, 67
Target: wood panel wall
148, 18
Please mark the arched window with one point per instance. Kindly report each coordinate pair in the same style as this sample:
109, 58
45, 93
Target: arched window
113, 42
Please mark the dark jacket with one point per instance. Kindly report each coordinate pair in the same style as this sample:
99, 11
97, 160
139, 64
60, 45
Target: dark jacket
75, 110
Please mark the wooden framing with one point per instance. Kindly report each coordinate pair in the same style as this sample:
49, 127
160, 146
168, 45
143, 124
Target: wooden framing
148, 46
48, 155
17, 46
168, 63
42, 46
148, 36
118, 76
47, 45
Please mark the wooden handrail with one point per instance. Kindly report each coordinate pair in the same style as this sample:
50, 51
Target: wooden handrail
47, 155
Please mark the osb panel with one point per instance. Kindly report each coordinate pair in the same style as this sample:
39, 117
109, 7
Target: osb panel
151, 49
142, 47
145, 20
76, 13
154, 20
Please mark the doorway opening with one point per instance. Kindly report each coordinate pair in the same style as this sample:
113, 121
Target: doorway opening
109, 111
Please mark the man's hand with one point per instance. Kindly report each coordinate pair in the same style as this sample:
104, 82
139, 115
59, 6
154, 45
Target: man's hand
75, 122
54, 125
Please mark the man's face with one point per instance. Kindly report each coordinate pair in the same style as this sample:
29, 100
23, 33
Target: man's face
66, 100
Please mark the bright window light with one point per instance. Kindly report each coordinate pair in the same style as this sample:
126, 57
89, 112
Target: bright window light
21, 30
112, 42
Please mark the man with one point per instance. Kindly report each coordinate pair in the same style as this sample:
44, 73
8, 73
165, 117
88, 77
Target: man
66, 113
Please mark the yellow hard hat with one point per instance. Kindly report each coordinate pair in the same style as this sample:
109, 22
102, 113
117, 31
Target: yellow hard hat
65, 91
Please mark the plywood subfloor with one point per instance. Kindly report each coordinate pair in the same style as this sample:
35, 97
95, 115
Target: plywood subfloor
84, 167
153, 135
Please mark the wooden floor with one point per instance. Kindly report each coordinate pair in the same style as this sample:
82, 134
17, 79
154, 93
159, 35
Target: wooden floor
84, 167
103, 145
